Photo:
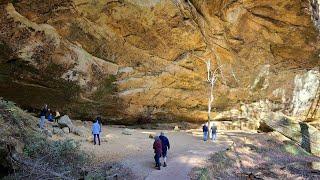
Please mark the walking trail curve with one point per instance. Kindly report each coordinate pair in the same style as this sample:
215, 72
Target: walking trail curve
188, 150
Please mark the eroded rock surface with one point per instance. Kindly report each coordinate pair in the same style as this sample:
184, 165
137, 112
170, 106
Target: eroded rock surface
134, 60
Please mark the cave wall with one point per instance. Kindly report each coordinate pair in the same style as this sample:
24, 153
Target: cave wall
127, 60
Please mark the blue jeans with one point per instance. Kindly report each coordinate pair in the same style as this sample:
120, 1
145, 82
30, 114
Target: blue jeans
94, 139
42, 121
214, 136
157, 158
205, 136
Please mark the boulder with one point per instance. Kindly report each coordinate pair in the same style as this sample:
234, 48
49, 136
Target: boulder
65, 121
127, 131
57, 130
87, 123
302, 133
81, 131
78, 122
47, 132
66, 130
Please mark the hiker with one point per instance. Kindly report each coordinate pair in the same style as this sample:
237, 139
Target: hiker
165, 147
205, 132
214, 132
43, 114
157, 146
96, 130
99, 122
50, 117
57, 116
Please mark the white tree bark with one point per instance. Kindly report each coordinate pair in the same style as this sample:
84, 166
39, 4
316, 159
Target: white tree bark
212, 77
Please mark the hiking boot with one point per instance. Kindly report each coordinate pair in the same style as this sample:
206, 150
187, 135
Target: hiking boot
157, 166
164, 164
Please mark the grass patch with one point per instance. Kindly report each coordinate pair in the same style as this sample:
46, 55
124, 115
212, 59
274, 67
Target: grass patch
204, 174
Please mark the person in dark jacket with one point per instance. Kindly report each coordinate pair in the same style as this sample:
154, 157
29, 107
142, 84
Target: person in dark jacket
43, 114
165, 147
205, 132
157, 146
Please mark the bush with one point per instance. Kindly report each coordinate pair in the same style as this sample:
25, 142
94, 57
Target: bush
62, 155
41, 158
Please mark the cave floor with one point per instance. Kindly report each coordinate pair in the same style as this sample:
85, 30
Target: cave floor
135, 151
188, 151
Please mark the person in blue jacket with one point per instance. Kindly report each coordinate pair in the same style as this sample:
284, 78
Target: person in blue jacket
50, 117
96, 130
165, 147
99, 122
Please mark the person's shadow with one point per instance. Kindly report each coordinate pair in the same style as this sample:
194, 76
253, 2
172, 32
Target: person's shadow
305, 137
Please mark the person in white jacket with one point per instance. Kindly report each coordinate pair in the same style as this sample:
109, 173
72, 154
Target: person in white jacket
96, 130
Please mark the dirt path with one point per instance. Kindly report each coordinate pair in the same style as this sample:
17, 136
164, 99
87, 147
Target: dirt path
264, 155
135, 152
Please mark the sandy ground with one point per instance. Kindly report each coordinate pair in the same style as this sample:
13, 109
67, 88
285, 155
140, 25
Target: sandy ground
135, 152
246, 152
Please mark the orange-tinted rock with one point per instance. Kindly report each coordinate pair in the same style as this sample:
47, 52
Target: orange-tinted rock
127, 59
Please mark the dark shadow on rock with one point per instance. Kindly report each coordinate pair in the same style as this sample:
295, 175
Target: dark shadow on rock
305, 137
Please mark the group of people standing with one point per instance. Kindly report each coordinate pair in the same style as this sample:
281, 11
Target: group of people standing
51, 116
206, 132
48, 114
161, 146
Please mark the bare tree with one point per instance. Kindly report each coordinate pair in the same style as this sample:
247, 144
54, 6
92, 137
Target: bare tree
211, 78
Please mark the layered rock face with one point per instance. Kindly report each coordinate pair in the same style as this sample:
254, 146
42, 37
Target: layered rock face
145, 59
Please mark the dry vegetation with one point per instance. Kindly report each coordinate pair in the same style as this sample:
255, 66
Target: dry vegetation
28, 153
260, 156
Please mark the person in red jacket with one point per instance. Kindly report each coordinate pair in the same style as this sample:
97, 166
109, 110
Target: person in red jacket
157, 146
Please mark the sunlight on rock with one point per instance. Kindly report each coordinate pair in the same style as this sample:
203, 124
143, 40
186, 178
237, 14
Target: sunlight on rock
87, 87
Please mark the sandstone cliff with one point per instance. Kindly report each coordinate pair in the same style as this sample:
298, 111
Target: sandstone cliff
129, 60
